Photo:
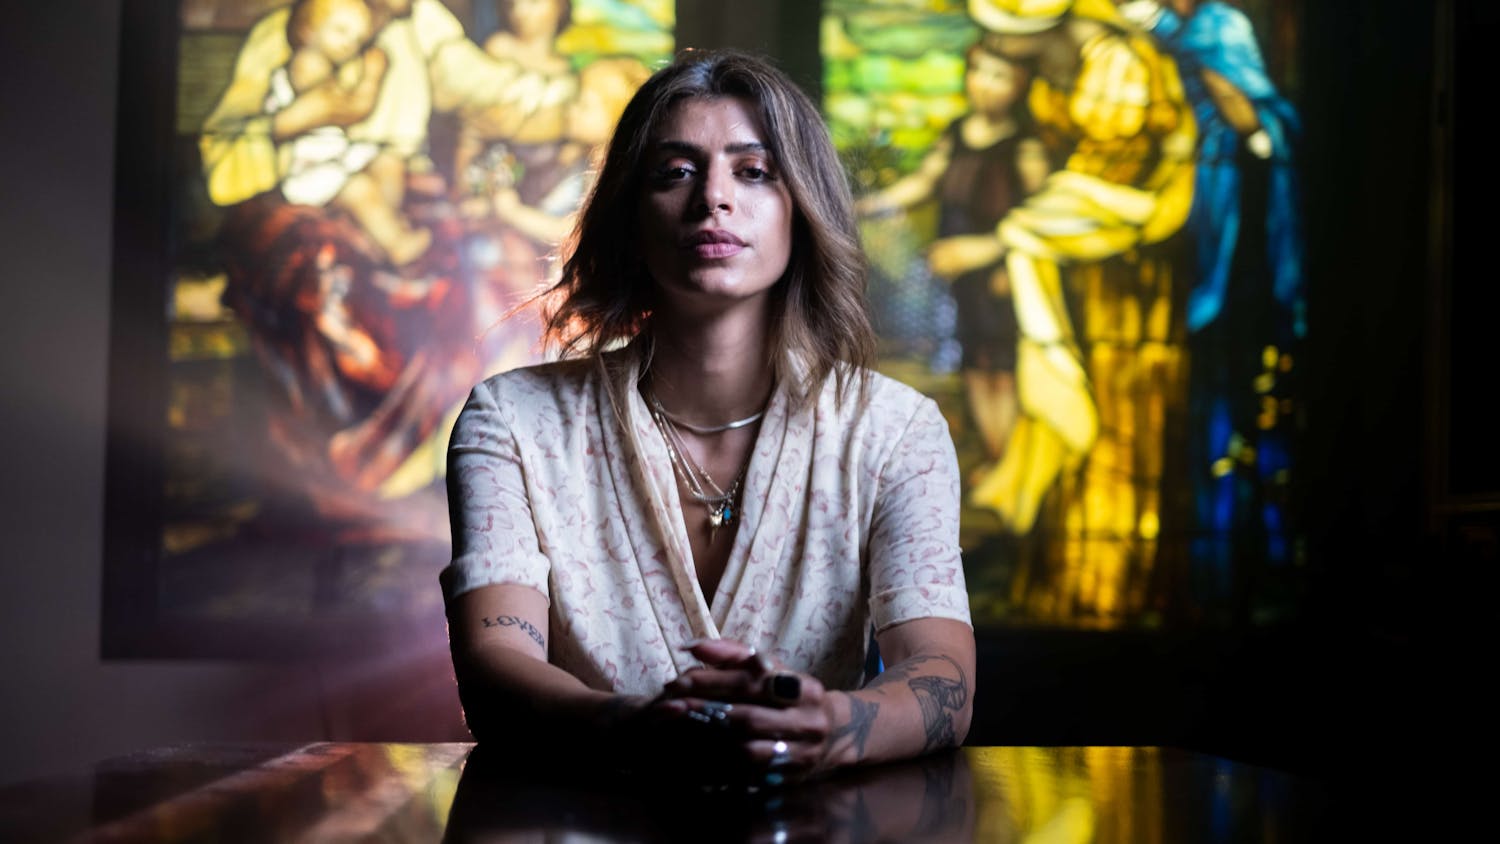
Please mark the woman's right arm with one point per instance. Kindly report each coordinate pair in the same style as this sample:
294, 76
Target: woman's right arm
498, 635
497, 602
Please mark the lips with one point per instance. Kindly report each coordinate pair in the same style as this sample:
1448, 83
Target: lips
713, 243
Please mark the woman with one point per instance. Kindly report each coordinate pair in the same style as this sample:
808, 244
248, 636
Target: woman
680, 537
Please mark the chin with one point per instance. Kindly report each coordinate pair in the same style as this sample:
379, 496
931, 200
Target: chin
697, 294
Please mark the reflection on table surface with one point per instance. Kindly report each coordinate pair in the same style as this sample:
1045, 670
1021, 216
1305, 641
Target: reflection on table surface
454, 792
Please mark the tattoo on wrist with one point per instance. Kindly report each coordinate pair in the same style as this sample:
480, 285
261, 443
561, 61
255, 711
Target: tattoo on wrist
861, 719
514, 621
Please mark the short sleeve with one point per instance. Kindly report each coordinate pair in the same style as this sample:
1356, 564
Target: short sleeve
916, 568
494, 536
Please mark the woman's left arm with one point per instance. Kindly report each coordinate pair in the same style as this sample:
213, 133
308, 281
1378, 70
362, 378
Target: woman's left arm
923, 701
919, 602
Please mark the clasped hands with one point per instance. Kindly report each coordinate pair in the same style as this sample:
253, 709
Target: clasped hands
744, 716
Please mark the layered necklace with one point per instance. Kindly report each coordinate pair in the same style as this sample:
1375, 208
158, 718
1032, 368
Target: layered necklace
719, 502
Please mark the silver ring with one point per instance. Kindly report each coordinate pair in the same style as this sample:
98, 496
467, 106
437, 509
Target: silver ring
712, 712
781, 756
718, 712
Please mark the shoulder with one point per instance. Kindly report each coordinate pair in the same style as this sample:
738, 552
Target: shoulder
885, 413
558, 383
522, 405
886, 395
895, 435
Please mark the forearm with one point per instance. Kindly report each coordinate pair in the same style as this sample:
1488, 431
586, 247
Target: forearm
511, 696
919, 705
509, 690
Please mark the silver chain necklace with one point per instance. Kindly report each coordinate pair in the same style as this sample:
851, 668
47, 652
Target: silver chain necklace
705, 430
720, 505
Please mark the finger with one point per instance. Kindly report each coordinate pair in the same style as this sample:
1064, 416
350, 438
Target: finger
783, 688
752, 722
727, 654
721, 653
717, 684
804, 724
717, 714
788, 689
780, 755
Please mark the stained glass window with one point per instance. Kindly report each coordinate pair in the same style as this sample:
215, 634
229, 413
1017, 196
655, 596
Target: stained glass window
1083, 223
363, 190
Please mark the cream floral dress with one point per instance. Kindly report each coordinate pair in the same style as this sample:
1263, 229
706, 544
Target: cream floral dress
849, 519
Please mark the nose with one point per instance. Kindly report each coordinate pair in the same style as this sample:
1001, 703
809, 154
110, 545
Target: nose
716, 192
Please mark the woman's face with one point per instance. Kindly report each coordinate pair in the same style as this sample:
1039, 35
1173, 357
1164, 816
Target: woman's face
535, 18
715, 213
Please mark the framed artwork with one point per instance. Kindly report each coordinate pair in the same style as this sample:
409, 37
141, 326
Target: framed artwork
1083, 220
325, 211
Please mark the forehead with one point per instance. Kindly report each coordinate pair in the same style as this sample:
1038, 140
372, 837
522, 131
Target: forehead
711, 122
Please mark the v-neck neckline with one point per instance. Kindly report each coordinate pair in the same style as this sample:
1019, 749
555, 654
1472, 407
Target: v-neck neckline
652, 441
645, 491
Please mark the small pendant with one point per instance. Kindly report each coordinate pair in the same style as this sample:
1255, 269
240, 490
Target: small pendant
727, 515
716, 517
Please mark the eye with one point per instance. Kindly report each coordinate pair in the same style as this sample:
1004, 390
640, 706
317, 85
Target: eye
756, 173
672, 171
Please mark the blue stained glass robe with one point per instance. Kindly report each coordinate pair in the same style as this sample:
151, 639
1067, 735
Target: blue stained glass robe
1240, 459
1218, 37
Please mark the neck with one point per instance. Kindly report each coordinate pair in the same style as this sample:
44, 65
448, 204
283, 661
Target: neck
711, 371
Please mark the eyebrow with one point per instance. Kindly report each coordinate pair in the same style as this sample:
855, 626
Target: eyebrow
732, 149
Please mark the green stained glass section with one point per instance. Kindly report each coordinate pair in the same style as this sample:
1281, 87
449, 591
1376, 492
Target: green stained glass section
639, 28
893, 80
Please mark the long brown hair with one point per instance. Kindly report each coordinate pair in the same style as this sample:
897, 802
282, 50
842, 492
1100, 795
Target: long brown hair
820, 325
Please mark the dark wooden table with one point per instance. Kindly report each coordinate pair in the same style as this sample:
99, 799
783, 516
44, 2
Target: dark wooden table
453, 792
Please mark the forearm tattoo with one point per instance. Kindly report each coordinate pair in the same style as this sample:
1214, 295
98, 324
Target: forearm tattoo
939, 697
857, 729
514, 621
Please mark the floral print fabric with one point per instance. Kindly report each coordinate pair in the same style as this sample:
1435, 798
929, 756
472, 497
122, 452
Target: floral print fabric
849, 519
